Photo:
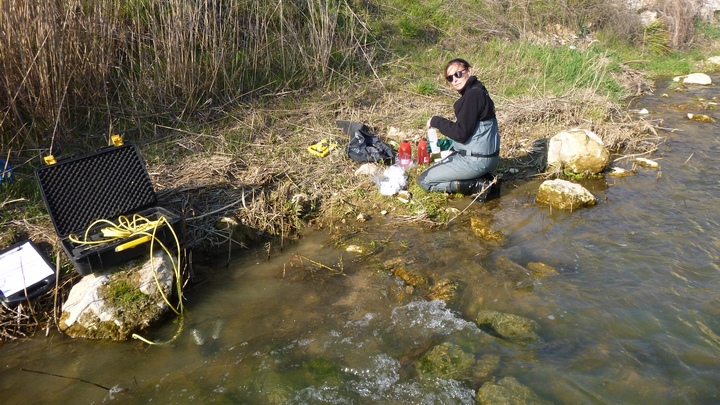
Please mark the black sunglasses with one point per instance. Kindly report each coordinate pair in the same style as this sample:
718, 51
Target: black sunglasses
457, 74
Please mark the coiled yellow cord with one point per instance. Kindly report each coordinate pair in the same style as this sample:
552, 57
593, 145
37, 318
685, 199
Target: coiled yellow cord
146, 229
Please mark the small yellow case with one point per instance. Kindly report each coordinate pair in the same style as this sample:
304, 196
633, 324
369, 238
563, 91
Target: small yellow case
322, 148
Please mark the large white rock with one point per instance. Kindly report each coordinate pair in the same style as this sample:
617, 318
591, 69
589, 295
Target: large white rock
714, 59
90, 312
694, 78
564, 195
578, 150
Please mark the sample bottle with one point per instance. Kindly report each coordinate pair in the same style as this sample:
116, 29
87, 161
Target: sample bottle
404, 154
433, 138
423, 157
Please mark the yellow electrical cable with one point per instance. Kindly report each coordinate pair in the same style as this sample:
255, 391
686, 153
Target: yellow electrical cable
141, 226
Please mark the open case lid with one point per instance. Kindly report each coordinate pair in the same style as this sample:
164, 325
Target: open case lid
104, 184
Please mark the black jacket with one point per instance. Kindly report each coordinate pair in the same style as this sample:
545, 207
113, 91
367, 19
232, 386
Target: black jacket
474, 105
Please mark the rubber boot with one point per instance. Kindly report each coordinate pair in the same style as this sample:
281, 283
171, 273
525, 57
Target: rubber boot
494, 191
475, 186
467, 187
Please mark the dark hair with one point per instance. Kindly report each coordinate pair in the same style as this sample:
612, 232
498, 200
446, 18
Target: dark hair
458, 61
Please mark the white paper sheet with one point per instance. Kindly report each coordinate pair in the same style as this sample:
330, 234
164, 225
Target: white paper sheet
20, 268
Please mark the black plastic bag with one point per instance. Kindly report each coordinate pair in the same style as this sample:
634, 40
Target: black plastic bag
364, 146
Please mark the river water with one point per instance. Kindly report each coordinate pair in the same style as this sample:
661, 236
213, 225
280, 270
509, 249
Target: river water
632, 314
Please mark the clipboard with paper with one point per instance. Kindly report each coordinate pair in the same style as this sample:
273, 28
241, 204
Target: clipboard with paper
24, 273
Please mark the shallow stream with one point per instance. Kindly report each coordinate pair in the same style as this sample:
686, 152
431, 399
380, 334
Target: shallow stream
632, 315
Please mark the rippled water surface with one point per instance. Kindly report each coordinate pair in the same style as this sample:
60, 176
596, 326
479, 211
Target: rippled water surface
632, 315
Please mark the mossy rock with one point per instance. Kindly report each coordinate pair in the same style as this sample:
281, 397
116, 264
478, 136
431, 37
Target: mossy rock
484, 367
446, 360
513, 275
509, 327
541, 269
410, 278
117, 303
482, 230
322, 371
507, 391
443, 289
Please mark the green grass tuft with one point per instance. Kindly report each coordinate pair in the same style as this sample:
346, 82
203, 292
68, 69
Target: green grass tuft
426, 87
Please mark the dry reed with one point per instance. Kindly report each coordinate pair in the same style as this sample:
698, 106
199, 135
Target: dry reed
71, 66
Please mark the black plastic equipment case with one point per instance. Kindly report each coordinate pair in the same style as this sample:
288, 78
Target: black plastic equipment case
105, 184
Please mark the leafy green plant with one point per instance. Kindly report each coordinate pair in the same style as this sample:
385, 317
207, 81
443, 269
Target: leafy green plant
656, 39
569, 174
425, 87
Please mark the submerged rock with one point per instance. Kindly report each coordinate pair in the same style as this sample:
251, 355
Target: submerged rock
647, 163
507, 391
620, 172
443, 289
541, 269
564, 195
113, 305
447, 361
482, 230
512, 275
509, 327
700, 117
355, 249
409, 277
484, 367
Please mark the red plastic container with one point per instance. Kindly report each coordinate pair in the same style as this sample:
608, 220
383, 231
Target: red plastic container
405, 154
423, 157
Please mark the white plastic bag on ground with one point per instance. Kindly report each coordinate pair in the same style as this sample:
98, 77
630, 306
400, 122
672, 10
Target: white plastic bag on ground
393, 180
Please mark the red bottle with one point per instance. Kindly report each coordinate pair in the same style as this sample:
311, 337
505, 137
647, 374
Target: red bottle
404, 154
423, 157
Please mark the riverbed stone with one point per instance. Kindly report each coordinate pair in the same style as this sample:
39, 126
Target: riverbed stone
578, 150
564, 195
541, 269
443, 289
700, 117
507, 391
446, 360
512, 275
645, 162
620, 172
484, 367
694, 78
481, 229
509, 327
410, 277
115, 304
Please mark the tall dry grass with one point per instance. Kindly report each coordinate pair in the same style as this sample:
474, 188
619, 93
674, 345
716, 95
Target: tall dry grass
73, 66
679, 17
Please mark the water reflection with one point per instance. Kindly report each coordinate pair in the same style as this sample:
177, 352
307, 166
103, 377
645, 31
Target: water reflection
628, 314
